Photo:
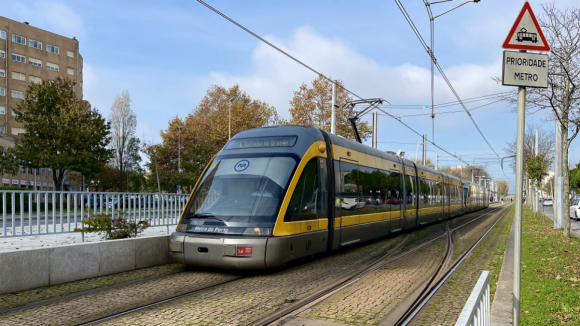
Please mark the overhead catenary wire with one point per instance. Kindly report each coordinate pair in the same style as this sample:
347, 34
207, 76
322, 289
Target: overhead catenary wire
434, 60
316, 72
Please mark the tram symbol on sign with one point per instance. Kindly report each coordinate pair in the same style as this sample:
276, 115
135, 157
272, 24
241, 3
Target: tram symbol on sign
523, 35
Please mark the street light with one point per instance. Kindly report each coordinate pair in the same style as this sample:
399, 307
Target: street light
230, 118
432, 50
179, 158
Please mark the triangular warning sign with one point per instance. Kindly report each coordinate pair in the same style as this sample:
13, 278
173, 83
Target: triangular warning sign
526, 33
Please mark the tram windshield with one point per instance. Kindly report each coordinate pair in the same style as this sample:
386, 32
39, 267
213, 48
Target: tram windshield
242, 189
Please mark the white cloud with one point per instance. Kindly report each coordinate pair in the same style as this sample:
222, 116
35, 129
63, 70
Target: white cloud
273, 77
51, 15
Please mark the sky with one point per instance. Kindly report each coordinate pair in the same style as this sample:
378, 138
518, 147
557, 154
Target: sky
167, 54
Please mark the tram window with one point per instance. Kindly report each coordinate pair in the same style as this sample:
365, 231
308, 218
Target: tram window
438, 193
243, 190
394, 194
423, 192
350, 178
308, 200
411, 192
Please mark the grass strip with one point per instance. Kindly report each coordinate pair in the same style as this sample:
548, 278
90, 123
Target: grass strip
550, 279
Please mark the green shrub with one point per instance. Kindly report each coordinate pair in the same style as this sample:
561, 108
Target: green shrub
113, 228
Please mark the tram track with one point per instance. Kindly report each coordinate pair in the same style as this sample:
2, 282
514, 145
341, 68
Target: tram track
352, 277
431, 286
437, 279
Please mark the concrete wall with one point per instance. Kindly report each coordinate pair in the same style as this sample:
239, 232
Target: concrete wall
28, 269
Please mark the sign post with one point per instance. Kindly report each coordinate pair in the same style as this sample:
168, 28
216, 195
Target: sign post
523, 69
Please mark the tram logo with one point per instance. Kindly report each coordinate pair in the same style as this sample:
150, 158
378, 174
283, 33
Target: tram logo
242, 165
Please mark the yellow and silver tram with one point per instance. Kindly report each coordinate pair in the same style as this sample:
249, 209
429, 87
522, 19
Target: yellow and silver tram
276, 194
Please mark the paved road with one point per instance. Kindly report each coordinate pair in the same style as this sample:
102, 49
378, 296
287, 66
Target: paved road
574, 225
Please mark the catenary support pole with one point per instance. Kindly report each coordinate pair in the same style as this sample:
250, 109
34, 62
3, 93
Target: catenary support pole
521, 128
557, 200
333, 116
425, 150
536, 201
375, 126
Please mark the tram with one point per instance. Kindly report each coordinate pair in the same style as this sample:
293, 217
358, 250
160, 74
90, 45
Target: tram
276, 194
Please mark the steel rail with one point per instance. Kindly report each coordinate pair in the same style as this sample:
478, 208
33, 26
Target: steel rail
304, 303
433, 285
53, 300
156, 303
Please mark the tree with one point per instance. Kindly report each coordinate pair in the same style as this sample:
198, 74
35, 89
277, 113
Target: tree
124, 145
429, 163
204, 134
562, 31
545, 149
503, 187
464, 172
536, 170
311, 106
8, 161
64, 132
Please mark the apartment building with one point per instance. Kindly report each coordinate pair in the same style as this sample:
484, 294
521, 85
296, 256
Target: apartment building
28, 55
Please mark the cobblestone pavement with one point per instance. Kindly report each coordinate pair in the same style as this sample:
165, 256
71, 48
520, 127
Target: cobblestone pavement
18, 299
100, 304
446, 305
370, 299
250, 299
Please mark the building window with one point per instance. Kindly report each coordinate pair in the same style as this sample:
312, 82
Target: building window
2, 129
52, 66
50, 172
2, 34
2, 110
17, 94
34, 79
13, 113
2, 54
2, 73
18, 39
52, 49
18, 58
70, 54
29, 170
44, 172
35, 62
16, 131
18, 76
2, 91
35, 44
70, 71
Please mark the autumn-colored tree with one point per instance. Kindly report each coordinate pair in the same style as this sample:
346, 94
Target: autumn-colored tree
311, 106
503, 187
464, 172
205, 132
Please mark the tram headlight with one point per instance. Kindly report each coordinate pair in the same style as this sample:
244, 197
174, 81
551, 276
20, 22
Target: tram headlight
258, 231
182, 227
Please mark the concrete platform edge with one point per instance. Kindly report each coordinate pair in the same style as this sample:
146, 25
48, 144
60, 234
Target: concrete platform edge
501, 310
29, 269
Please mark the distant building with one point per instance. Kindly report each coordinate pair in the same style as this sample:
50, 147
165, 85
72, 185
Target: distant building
27, 55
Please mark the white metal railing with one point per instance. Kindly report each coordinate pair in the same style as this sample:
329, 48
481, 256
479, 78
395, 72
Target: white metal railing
476, 311
26, 213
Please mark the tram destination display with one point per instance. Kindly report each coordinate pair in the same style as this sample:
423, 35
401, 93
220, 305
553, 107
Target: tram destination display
274, 141
525, 69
